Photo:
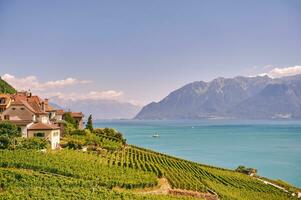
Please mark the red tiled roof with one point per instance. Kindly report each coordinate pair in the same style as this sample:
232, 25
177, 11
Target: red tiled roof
32, 106
36, 107
77, 114
60, 112
41, 126
23, 103
5, 95
21, 122
49, 108
36, 99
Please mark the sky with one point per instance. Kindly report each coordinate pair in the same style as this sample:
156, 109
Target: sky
138, 50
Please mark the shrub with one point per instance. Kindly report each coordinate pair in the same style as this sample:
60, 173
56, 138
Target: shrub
73, 143
5, 142
32, 143
244, 170
79, 132
9, 129
68, 128
110, 132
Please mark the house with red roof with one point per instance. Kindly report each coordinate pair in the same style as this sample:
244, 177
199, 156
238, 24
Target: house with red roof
33, 115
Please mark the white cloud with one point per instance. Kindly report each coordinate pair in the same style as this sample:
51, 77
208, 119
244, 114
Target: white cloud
281, 72
32, 83
54, 90
93, 95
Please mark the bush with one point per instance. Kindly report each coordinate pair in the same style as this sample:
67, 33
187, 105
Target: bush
110, 132
32, 143
73, 143
93, 140
68, 128
244, 170
9, 129
5, 142
79, 132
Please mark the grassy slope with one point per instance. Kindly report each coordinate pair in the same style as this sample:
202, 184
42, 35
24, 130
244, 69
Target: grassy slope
6, 88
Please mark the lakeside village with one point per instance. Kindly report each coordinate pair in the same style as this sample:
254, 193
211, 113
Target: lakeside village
34, 117
29, 122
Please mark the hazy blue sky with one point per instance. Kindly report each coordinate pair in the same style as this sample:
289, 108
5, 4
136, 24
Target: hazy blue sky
146, 48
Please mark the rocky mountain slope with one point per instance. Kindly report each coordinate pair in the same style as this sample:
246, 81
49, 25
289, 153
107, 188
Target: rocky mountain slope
239, 97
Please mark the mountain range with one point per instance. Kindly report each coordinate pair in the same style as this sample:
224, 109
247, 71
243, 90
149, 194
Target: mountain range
258, 97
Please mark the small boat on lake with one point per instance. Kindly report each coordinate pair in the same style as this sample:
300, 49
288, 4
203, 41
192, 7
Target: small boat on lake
156, 135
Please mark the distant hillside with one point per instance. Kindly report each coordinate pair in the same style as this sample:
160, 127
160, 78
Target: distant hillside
239, 97
6, 88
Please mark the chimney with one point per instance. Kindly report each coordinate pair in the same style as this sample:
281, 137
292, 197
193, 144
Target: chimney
46, 103
43, 106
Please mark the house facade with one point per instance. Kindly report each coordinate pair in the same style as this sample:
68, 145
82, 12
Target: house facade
47, 131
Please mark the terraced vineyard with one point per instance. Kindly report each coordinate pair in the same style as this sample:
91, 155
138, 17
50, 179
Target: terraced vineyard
93, 175
68, 174
193, 176
30, 184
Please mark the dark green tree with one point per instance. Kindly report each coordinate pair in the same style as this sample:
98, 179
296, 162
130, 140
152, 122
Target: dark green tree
89, 125
69, 119
8, 134
9, 129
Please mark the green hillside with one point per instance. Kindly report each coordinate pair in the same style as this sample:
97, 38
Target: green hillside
6, 88
111, 169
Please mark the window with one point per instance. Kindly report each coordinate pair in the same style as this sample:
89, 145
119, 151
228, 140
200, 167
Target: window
22, 108
55, 134
14, 108
2, 101
6, 117
39, 134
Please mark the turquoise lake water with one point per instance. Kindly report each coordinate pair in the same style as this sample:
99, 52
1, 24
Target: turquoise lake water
272, 147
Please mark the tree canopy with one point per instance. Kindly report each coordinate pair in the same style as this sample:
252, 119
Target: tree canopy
69, 119
90, 123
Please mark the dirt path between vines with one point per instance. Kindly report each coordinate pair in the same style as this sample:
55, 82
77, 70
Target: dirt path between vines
165, 188
272, 184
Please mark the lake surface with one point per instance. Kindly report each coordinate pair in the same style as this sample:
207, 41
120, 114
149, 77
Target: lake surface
272, 147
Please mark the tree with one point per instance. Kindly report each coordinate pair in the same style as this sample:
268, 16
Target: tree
90, 123
8, 133
68, 128
9, 129
69, 119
